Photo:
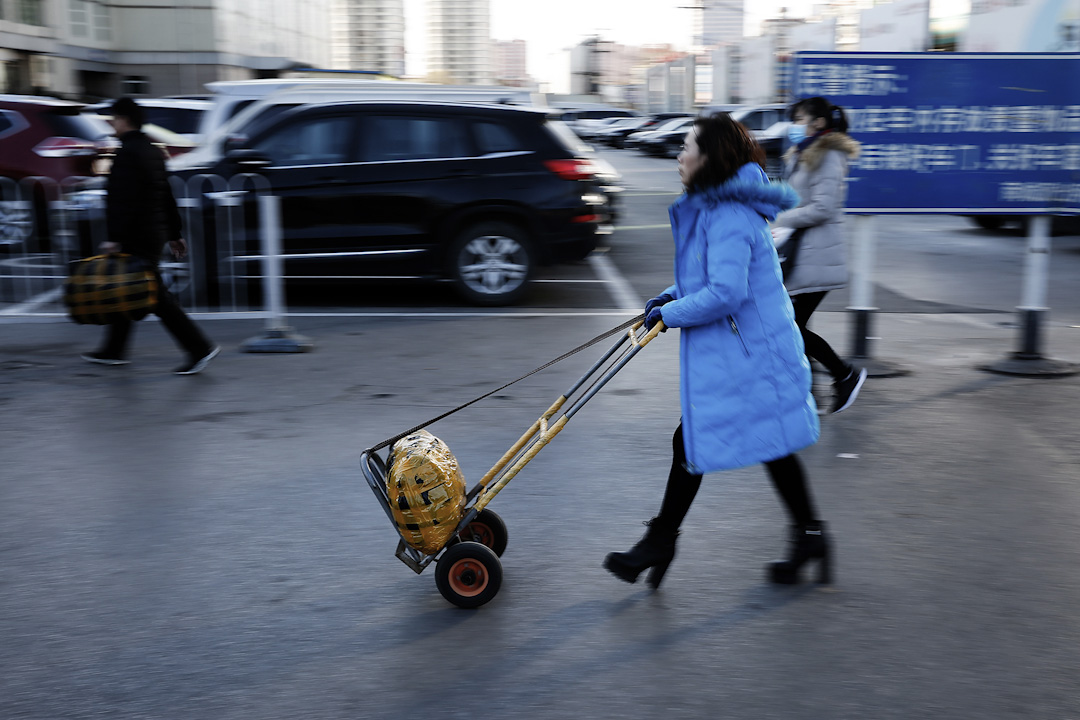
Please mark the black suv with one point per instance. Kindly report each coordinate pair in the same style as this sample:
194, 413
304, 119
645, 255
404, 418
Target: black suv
479, 194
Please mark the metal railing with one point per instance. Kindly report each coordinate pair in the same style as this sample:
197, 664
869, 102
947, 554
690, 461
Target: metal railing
46, 224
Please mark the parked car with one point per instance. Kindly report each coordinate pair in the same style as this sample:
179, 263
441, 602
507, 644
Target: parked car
180, 116
171, 144
1059, 224
758, 118
666, 141
609, 179
46, 137
620, 137
636, 139
615, 133
238, 106
478, 194
582, 119
45, 144
592, 130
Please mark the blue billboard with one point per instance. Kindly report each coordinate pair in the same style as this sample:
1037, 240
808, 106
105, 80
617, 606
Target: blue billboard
957, 133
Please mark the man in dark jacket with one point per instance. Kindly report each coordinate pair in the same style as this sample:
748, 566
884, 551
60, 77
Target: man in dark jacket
142, 217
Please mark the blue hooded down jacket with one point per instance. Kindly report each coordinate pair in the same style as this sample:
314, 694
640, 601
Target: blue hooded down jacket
744, 377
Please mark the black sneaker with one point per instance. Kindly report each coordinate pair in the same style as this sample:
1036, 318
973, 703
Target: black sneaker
848, 389
100, 359
197, 366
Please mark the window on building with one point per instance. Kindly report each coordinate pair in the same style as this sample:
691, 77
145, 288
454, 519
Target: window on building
324, 141
79, 18
102, 22
135, 85
414, 138
31, 12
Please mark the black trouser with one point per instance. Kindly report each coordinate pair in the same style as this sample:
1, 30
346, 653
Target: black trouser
805, 304
184, 331
682, 486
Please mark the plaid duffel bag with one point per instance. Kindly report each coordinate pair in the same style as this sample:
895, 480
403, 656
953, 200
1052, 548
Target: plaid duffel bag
106, 288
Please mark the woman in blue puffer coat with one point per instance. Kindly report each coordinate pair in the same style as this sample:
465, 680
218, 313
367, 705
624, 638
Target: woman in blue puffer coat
745, 379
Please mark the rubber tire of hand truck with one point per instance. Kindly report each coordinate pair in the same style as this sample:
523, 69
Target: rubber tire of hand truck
487, 529
468, 574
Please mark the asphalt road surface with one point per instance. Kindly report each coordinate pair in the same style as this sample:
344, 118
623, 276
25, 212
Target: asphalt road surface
205, 547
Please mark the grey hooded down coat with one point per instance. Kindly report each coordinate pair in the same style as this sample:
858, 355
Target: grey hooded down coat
819, 179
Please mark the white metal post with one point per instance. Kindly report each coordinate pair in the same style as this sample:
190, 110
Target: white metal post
862, 287
1036, 280
1028, 360
278, 337
270, 234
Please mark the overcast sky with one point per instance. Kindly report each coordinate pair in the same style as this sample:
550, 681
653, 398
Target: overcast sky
550, 26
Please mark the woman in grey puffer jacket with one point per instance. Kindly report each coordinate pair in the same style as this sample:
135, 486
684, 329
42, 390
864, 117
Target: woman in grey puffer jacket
817, 165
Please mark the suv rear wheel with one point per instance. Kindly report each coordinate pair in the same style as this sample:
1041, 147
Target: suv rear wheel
491, 263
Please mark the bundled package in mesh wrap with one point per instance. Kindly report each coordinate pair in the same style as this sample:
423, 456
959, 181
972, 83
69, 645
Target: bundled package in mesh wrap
426, 490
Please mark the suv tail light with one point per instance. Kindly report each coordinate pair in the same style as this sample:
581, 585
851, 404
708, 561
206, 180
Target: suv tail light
572, 169
64, 147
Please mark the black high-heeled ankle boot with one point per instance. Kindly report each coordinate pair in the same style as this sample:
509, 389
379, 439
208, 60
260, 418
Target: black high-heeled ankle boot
655, 550
808, 542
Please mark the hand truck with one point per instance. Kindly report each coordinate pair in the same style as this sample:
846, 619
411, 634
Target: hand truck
468, 571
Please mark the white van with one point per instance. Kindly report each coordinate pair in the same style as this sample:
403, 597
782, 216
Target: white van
237, 102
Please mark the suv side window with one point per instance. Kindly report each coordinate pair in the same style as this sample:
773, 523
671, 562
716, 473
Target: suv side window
318, 141
753, 120
404, 137
492, 137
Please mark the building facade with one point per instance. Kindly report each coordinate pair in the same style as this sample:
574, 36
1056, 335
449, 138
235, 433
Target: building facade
611, 70
509, 63
459, 42
368, 35
91, 49
718, 22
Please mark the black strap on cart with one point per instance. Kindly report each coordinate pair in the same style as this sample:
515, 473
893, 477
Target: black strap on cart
545, 366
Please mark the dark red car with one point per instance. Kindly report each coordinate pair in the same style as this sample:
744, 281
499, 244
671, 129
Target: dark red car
47, 138
44, 143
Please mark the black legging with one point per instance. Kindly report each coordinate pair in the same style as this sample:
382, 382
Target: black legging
786, 474
805, 304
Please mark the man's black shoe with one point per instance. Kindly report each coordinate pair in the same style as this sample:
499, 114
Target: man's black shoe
197, 366
99, 359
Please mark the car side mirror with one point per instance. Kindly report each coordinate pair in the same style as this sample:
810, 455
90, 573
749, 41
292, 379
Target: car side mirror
246, 158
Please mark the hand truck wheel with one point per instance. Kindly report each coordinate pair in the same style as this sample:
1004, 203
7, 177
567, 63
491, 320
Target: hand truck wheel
468, 574
488, 529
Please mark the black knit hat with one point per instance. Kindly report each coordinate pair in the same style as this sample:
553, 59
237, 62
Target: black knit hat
127, 108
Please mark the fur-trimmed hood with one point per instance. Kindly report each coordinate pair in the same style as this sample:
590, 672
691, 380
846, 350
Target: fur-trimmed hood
750, 187
812, 155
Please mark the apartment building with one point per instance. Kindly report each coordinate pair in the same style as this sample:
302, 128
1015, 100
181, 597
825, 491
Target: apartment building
509, 63
368, 35
718, 22
459, 42
86, 49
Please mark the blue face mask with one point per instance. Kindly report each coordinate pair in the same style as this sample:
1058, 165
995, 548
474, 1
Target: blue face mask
796, 133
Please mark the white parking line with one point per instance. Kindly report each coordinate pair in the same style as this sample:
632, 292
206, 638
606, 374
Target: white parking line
621, 291
665, 226
28, 307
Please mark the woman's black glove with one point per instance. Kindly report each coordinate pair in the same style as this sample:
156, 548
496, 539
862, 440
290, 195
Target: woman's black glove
655, 315
656, 302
